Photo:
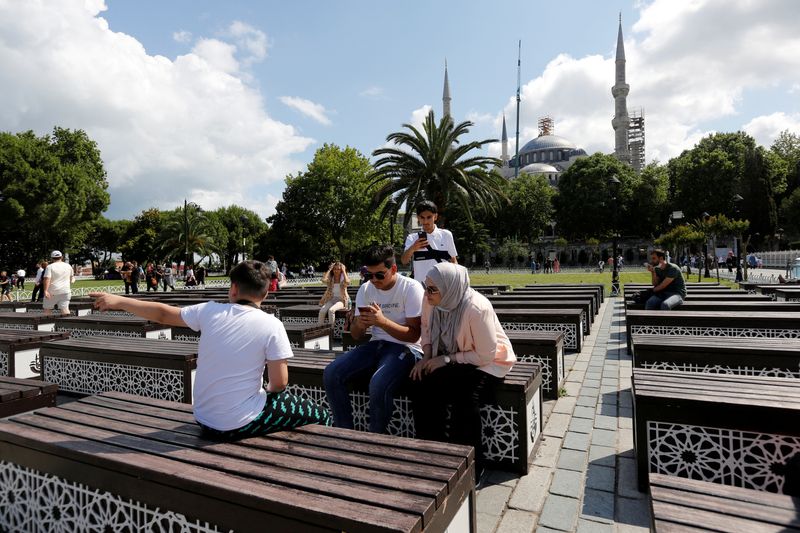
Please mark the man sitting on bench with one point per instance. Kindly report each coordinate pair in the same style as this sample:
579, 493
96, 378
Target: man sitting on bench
669, 289
238, 339
392, 305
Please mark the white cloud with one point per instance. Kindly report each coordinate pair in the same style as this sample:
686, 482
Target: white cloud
480, 118
182, 36
419, 115
373, 92
765, 129
218, 54
252, 42
688, 64
167, 128
308, 108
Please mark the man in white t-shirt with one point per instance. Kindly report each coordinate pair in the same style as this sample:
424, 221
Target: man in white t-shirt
392, 306
237, 341
57, 285
431, 245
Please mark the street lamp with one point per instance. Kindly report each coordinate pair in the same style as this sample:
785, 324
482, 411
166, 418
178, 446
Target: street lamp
391, 206
706, 272
243, 220
736, 201
614, 189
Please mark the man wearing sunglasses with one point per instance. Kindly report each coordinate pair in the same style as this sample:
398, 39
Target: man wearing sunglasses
391, 305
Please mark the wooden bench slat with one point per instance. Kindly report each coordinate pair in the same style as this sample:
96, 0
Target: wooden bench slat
267, 496
8, 394
271, 451
138, 439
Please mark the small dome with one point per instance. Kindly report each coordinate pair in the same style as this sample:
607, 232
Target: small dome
547, 142
540, 168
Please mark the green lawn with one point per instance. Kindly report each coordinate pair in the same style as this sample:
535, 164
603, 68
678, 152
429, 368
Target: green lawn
519, 280
105, 283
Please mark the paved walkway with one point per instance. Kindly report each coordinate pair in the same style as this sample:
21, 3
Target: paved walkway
584, 476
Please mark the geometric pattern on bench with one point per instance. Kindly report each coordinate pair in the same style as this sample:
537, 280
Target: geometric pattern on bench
186, 337
725, 456
569, 330
32, 501
77, 333
544, 364
15, 325
3, 363
710, 331
94, 377
724, 369
500, 435
338, 324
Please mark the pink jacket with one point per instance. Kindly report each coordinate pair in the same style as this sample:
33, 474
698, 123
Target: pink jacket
481, 339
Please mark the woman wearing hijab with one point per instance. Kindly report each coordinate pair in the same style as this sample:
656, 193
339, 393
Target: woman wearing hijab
466, 355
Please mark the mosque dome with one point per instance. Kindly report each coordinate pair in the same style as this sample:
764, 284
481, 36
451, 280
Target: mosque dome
547, 142
539, 168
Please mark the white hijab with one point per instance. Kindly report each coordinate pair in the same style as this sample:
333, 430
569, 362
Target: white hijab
453, 283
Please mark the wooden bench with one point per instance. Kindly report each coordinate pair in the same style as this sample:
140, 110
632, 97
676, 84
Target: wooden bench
587, 300
546, 348
742, 356
722, 297
20, 395
599, 289
146, 367
309, 314
124, 463
567, 321
722, 325
788, 294
75, 308
555, 294
112, 326
689, 505
734, 430
512, 424
731, 307
599, 286
19, 351
26, 321
12, 307
587, 317
310, 336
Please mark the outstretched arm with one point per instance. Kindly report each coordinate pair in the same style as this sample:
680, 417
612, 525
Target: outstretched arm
153, 311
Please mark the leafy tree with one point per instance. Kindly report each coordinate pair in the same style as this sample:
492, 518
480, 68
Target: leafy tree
103, 239
186, 233
140, 239
51, 189
530, 208
790, 213
786, 149
244, 230
709, 176
326, 213
679, 238
434, 164
649, 206
511, 250
471, 238
589, 205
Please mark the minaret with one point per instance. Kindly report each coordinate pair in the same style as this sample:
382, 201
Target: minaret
620, 92
504, 140
446, 94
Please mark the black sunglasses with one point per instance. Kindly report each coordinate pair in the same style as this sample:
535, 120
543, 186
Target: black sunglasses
431, 290
377, 275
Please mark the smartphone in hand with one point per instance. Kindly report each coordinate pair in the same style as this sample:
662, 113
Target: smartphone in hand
364, 310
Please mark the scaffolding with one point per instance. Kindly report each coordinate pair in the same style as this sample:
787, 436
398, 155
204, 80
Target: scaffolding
636, 139
546, 125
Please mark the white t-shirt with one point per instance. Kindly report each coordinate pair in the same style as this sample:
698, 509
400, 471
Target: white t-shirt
20, 273
440, 239
235, 345
402, 301
60, 275
39, 273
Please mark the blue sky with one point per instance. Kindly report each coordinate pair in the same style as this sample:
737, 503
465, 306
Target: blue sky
331, 52
218, 101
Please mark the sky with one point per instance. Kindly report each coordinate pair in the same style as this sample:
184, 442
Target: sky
217, 102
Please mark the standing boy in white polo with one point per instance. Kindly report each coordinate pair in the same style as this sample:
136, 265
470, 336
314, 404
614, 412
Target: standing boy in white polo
437, 245
57, 283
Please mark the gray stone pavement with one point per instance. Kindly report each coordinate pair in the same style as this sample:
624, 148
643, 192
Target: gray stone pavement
583, 478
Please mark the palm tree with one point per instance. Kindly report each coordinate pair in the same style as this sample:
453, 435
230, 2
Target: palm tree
433, 165
186, 235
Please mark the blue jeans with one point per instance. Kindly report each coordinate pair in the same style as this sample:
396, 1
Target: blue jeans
664, 302
390, 364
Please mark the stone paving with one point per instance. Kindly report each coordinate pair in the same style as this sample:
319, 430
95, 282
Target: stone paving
583, 478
